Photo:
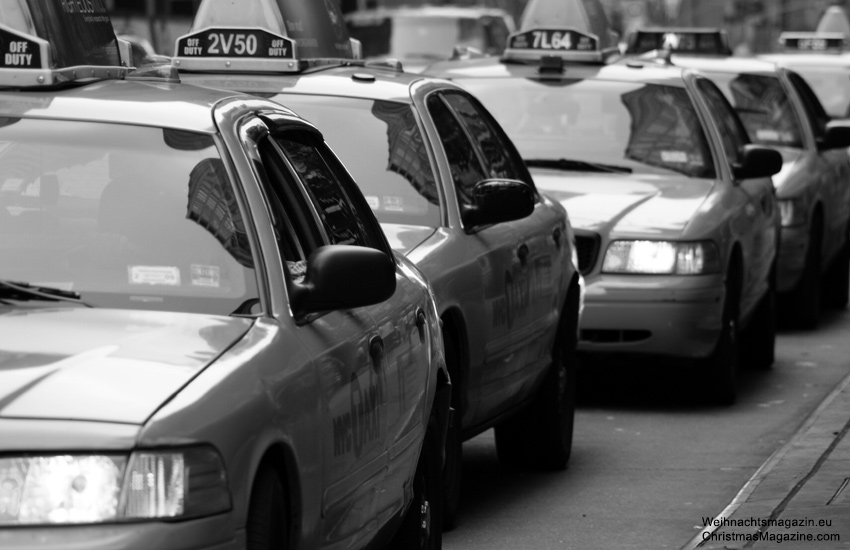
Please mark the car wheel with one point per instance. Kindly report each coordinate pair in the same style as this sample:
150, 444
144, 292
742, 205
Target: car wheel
760, 338
453, 467
722, 364
838, 281
802, 306
541, 437
422, 526
268, 520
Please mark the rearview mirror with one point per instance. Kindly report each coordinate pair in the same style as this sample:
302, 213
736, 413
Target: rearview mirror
497, 201
837, 135
757, 162
343, 277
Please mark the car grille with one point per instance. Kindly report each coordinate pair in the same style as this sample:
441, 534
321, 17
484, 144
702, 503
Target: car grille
587, 247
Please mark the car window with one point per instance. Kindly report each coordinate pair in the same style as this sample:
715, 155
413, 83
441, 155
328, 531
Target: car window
387, 156
495, 147
732, 133
832, 87
642, 128
811, 104
463, 160
343, 221
763, 106
130, 217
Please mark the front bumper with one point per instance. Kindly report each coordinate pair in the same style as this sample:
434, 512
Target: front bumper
672, 316
212, 533
793, 244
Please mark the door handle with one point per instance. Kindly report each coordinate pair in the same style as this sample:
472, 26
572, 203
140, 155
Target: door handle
522, 254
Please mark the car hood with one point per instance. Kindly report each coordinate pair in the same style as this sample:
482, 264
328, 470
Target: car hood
103, 365
638, 204
404, 238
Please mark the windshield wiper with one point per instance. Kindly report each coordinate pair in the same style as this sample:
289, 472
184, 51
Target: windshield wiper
24, 291
576, 165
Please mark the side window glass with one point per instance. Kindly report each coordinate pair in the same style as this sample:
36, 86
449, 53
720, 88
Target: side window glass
813, 107
732, 133
493, 145
463, 161
342, 221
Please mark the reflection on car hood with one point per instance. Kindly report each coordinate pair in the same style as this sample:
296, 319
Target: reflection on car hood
103, 365
651, 205
404, 238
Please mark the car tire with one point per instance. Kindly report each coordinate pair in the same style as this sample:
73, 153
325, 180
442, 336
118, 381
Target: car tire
541, 436
267, 527
421, 528
453, 467
838, 279
760, 338
722, 364
802, 305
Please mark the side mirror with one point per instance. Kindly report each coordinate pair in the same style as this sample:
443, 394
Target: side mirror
344, 277
497, 201
757, 162
837, 135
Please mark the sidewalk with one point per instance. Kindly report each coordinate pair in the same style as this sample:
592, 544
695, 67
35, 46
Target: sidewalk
800, 497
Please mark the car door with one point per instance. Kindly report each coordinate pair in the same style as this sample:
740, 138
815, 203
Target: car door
756, 222
382, 422
519, 270
831, 172
351, 405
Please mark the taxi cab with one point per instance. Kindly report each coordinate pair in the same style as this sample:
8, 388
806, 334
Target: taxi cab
205, 338
823, 60
452, 194
672, 206
779, 110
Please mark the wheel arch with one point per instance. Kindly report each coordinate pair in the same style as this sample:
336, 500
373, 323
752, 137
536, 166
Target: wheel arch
280, 457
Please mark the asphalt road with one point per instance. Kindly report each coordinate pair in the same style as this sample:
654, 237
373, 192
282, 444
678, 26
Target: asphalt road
649, 460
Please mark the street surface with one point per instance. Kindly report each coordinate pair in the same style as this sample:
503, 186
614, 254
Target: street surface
649, 461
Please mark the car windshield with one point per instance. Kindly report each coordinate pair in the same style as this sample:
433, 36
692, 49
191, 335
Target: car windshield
122, 216
642, 128
428, 38
763, 106
381, 145
831, 85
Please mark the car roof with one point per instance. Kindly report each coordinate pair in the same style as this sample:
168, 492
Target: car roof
158, 104
491, 67
808, 59
349, 81
455, 12
722, 64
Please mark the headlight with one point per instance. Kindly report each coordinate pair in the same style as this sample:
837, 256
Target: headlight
661, 258
792, 212
78, 489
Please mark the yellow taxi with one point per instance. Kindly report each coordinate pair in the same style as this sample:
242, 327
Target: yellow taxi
780, 110
451, 193
205, 338
672, 205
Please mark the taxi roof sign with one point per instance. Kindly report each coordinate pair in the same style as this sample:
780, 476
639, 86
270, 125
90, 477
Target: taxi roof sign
44, 43
813, 42
565, 43
264, 36
585, 16
695, 40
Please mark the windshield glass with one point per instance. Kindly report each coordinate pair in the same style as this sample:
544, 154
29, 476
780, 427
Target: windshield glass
427, 37
763, 106
125, 216
646, 128
832, 86
381, 145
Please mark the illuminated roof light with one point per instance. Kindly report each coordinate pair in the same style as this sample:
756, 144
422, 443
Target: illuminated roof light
567, 43
264, 36
82, 43
703, 41
832, 42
